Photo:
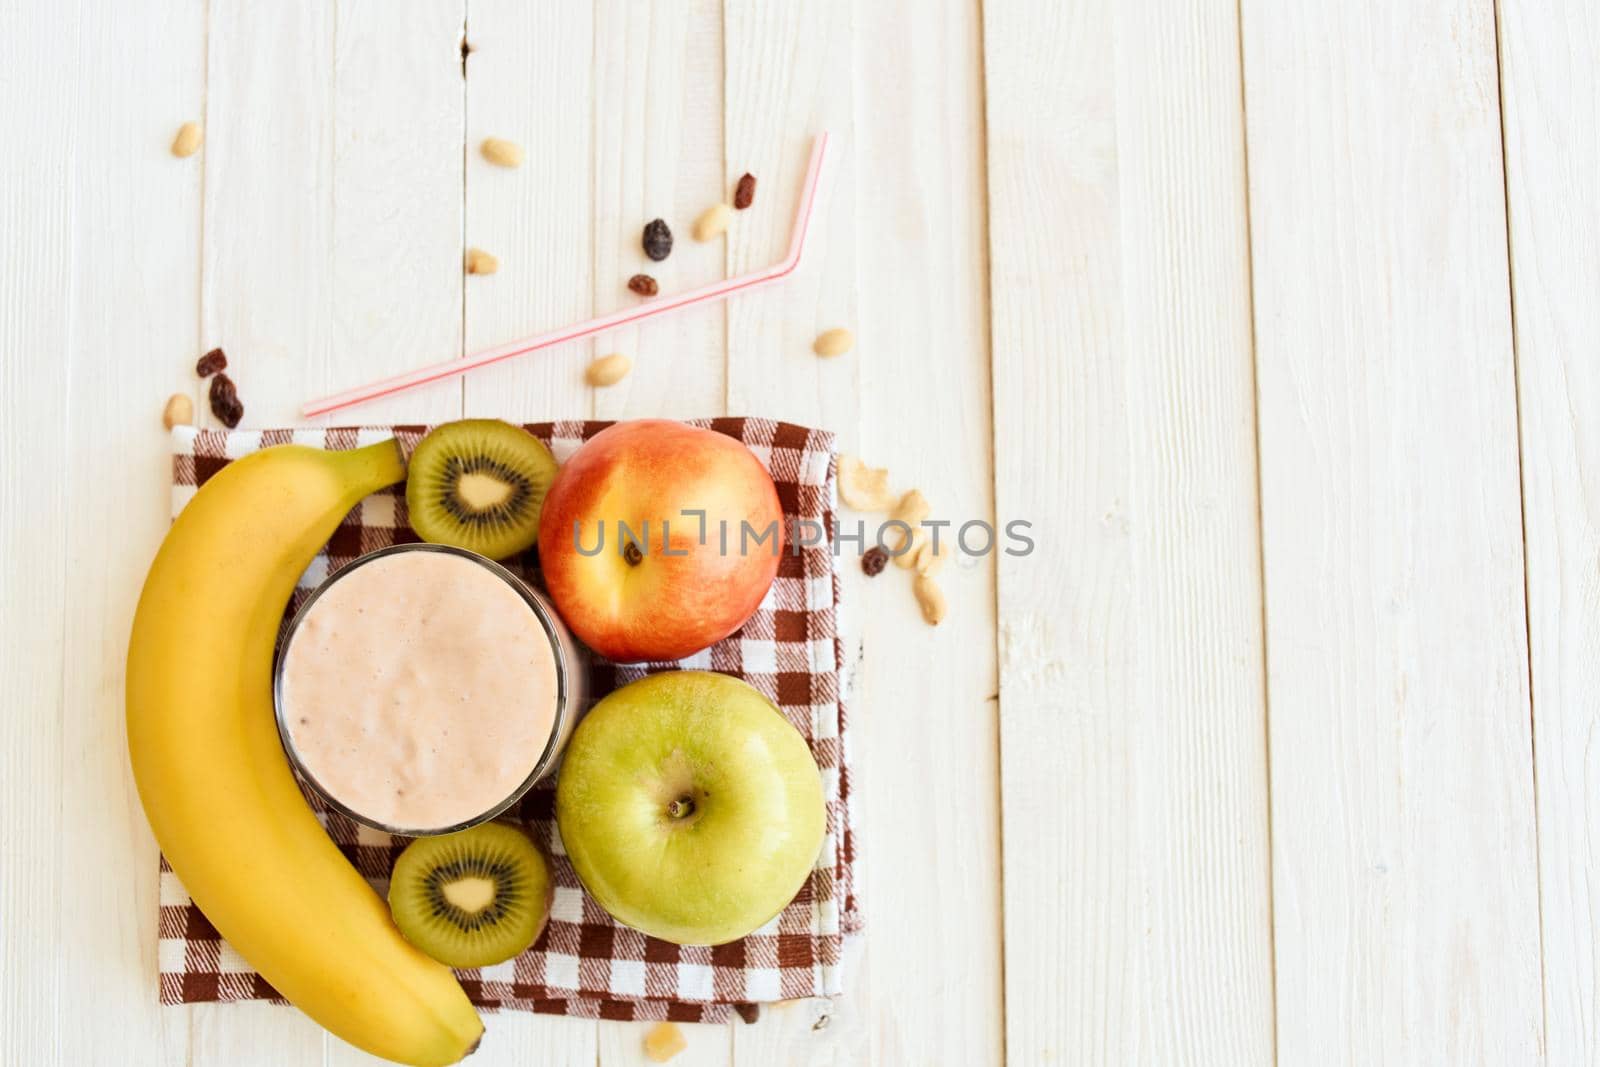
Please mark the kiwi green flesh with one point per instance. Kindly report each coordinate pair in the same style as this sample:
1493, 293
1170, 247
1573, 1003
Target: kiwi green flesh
486, 452
512, 916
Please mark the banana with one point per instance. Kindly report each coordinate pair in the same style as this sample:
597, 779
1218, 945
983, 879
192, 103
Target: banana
214, 779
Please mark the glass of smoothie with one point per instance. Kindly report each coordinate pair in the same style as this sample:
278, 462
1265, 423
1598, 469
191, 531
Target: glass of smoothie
423, 689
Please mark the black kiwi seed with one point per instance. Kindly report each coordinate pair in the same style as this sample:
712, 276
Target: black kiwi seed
479, 484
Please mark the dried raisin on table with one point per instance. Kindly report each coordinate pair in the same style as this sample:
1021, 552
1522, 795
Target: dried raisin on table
745, 192
644, 285
657, 240
875, 559
225, 403
210, 363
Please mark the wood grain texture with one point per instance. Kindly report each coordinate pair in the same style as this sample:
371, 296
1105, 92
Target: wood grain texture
1406, 895
926, 754
1550, 86
399, 114
1133, 774
318, 237
786, 79
267, 297
35, 336
530, 80
134, 303
658, 154
398, 108
787, 76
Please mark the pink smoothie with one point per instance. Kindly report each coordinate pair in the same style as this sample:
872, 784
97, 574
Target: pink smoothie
419, 690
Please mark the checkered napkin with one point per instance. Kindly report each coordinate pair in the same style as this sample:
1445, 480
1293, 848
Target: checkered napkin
585, 963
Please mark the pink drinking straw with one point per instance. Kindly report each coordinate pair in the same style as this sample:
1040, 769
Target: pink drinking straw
745, 283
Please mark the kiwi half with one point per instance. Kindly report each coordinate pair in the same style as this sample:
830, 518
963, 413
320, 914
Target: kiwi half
474, 898
479, 484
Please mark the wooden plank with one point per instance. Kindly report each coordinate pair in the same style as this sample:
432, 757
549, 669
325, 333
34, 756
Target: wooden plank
1549, 58
36, 213
399, 114
657, 147
1133, 771
658, 153
267, 298
786, 80
134, 317
920, 128
927, 755
529, 79
398, 110
1405, 875
789, 74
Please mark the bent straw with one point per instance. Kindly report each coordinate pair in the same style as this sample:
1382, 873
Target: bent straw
716, 291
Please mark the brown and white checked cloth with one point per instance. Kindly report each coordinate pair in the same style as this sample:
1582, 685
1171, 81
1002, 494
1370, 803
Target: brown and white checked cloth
585, 963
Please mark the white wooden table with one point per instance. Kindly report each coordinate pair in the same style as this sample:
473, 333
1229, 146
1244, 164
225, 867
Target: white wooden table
1279, 320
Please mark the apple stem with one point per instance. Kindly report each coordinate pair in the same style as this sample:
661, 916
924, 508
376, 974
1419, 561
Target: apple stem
681, 808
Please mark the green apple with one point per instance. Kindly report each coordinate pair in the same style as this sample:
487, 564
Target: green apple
689, 807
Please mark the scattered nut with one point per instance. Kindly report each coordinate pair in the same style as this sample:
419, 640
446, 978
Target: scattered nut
502, 153
712, 222
225, 403
911, 510
874, 560
663, 1042
745, 192
608, 370
643, 284
863, 488
657, 240
750, 1013
834, 342
188, 140
481, 262
931, 599
931, 556
908, 558
211, 362
179, 411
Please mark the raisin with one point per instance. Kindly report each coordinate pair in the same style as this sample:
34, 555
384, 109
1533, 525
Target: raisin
644, 285
657, 240
225, 403
876, 558
744, 192
210, 363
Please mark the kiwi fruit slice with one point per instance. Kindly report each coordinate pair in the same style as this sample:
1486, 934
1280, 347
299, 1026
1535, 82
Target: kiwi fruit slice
474, 898
479, 484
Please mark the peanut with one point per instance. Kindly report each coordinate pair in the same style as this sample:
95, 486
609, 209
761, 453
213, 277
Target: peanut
930, 598
663, 1042
863, 488
712, 222
834, 342
502, 153
930, 560
187, 142
179, 411
908, 559
911, 510
481, 262
608, 370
